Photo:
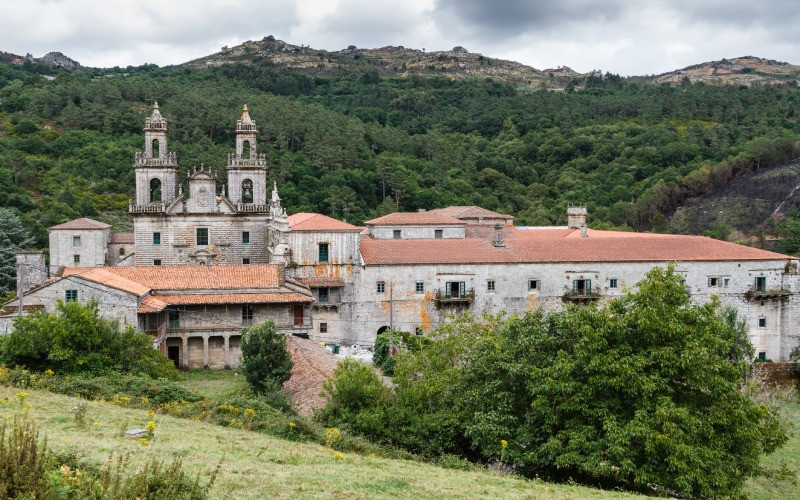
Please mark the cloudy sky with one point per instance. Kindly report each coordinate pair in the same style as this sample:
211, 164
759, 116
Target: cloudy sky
621, 36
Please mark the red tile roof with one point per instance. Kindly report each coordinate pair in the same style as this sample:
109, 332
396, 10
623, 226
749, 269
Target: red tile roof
639, 248
415, 219
305, 221
121, 238
151, 305
470, 212
322, 282
82, 223
565, 232
184, 277
233, 298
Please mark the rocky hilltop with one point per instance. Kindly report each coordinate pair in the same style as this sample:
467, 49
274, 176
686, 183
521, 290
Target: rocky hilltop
745, 70
49, 59
388, 61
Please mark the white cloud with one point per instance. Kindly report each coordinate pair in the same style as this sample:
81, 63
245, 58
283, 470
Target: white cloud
649, 36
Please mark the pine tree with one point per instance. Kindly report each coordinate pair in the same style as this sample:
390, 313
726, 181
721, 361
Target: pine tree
13, 238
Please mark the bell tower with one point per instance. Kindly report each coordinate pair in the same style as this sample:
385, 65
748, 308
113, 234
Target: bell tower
156, 167
247, 170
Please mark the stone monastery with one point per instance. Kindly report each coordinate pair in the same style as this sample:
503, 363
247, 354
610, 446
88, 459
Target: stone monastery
206, 260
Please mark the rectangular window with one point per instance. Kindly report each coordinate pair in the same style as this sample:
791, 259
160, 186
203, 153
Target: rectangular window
726, 282
247, 315
380, 287
70, 295
157, 262
76, 259
323, 328
490, 285
245, 237
612, 283
324, 295
323, 252
397, 234
438, 234
419, 287
761, 283
762, 322
174, 318
533, 285
762, 356
246, 260
713, 282
76, 241
202, 236
156, 238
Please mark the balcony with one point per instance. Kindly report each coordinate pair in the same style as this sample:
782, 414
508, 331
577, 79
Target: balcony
149, 208
237, 161
761, 294
454, 297
251, 208
171, 160
579, 296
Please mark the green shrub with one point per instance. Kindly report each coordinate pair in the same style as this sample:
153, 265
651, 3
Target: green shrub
357, 400
266, 362
77, 339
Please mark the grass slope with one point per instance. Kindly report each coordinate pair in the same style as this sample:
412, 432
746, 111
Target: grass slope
259, 466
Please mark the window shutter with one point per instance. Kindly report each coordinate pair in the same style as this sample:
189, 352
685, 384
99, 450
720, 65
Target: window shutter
575, 287
462, 290
447, 289
588, 287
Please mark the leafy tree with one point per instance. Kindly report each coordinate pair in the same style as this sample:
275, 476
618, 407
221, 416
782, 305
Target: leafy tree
789, 231
357, 399
646, 391
266, 362
15, 238
77, 339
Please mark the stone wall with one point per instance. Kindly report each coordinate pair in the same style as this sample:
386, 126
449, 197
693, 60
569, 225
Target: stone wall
411, 310
415, 232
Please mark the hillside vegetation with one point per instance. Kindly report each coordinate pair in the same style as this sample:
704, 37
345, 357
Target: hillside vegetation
355, 144
259, 466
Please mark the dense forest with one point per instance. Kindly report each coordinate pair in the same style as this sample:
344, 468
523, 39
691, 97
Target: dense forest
356, 145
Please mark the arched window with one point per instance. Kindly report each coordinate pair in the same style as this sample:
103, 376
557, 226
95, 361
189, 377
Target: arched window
155, 191
122, 252
247, 191
156, 148
246, 150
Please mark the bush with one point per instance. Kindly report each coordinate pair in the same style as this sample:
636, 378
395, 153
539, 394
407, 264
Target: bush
266, 362
77, 339
24, 461
357, 400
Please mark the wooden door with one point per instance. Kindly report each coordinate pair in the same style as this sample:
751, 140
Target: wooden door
298, 315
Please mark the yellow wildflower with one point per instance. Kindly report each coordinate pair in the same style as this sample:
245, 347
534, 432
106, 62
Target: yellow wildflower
22, 396
292, 425
144, 441
151, 426
339, 456
504, 443
49, 372
249, 413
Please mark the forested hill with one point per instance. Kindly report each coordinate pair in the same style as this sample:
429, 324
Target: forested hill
357, 144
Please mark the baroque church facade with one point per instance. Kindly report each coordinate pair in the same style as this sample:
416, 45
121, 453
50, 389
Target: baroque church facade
241, 223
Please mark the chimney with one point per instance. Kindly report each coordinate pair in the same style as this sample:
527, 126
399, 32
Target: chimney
576, 217
498, 235
584, 231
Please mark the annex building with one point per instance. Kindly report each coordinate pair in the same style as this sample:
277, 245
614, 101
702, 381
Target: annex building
207, 259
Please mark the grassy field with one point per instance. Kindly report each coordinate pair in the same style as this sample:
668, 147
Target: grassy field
214, 384
259, 466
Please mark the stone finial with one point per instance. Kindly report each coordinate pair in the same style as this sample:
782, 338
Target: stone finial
275, 197
584, 231
245, 115
156, 115
498, 235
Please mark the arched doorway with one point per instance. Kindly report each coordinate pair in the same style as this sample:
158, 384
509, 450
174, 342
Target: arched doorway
246, 150
155, 191
156, 148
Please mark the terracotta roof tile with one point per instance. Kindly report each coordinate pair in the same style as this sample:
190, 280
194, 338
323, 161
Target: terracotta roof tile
82, 223
107, 276
233, 298
639, 248
185, 277
121, 238
322, 282
415, 219
317, 222
151, 305
470, 212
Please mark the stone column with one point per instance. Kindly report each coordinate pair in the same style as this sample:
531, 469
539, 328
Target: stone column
184, 351
227, 357
205, 350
